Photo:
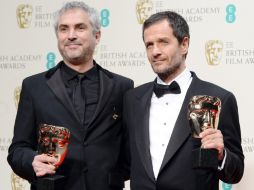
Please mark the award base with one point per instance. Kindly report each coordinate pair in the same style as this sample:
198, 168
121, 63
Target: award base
205, 159
50, 182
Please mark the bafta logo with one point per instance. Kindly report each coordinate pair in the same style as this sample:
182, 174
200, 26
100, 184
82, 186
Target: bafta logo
24, 15
143, 10
17, 91
213, 51
17, 183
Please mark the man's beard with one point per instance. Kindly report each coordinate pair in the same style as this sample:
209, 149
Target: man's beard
165, 73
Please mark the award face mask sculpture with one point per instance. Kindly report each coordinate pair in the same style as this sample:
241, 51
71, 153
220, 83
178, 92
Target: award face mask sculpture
53, 141
203, 113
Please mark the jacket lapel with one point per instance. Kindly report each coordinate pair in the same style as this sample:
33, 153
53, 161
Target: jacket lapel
106, 87
56, 84
181, 131
142, 129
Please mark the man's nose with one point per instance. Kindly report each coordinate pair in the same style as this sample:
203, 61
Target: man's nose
72, 34
156, 50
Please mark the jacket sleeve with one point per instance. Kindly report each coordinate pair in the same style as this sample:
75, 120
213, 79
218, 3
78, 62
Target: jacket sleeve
23, 147
230, 128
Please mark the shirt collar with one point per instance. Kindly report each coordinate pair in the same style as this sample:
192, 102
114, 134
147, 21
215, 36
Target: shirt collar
69, 74
92, 74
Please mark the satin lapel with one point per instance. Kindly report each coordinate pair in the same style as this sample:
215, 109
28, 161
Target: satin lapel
106, 86
181, 130
142, 129
56, 84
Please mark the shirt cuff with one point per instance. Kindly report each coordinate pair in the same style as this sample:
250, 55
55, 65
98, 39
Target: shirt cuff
223, 161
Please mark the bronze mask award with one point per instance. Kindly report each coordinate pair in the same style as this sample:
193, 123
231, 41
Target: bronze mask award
53, 141
203, 113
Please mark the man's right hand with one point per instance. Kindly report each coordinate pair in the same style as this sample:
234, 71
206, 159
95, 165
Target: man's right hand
44, 164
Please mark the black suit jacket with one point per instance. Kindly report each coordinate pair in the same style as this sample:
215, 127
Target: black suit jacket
176, 171
95, 159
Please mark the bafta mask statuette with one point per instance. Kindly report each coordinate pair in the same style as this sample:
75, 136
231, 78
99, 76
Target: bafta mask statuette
203, 113
53, 141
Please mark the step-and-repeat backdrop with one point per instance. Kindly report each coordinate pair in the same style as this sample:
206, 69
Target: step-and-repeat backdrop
221, 51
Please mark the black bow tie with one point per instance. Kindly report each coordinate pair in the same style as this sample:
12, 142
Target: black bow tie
160, 89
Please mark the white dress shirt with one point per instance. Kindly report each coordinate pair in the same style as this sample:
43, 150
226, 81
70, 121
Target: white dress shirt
163, 114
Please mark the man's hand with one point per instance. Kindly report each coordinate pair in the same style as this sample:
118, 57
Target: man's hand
213, 138
44, 164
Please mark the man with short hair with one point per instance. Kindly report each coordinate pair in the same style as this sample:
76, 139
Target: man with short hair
161, 143
81, 96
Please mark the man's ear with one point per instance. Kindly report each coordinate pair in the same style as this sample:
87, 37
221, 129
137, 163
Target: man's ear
185, 45
98, 37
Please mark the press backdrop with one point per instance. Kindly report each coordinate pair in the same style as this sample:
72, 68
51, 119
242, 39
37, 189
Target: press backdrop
221, 51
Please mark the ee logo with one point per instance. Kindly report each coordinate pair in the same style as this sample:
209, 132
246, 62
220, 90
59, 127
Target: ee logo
230, 13
226, 186
104, 17
51, 57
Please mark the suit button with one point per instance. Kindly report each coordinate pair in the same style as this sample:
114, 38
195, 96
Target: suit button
85, 144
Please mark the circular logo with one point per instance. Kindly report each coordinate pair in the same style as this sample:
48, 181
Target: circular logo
226, 186
51, 57
230, 13
105, 17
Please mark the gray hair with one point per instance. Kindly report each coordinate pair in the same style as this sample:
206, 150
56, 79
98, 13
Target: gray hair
92, 13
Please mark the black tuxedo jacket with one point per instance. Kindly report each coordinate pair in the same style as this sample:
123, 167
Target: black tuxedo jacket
176, 171
95, 159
